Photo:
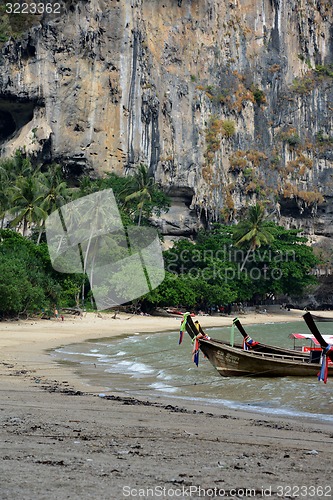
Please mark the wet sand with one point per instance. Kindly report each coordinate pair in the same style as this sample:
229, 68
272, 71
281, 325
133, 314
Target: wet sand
61, 440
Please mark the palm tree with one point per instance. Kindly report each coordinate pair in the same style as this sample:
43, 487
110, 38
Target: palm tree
144, 186
5, 184
55, 192
88, 186
20, 165
26, 201
12, 171
253, 231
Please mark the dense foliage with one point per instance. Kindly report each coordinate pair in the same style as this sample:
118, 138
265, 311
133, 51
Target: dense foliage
212, 271
252, 260
27, 196
27, 282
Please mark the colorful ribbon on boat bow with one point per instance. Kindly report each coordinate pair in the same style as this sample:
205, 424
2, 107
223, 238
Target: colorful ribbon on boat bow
195, 351
183, 327
323, 374
196, 342
249, 343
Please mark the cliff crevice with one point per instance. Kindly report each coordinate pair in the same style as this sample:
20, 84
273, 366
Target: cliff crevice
230, 101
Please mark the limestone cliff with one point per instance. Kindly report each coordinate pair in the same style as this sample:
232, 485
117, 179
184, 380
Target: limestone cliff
226, 101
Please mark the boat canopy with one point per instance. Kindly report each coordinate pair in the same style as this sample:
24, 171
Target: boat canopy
327, 338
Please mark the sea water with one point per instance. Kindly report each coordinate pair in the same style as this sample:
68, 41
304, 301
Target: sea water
152, 365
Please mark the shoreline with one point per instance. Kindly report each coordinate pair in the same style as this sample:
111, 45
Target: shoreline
60, 440
28, 343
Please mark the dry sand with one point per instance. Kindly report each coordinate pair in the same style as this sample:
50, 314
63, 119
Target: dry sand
60, 440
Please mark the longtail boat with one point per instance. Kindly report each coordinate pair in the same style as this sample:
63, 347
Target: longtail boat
321, 319
327, 354
304, 350
235, 361
266, 348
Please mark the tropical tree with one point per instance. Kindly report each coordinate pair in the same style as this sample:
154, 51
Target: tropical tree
144, 186
10, 170
14, 174
87, 186
27, 203
19, 165
55, 192
253, 231
27, 280
293, 261
5, 184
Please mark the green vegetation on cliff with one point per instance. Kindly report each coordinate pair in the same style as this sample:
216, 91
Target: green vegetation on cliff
14, 25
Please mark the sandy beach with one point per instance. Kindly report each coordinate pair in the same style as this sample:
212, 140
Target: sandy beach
61, 440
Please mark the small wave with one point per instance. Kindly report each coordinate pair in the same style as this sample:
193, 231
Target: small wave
132, 339
164, 376
130, 367
159, 386
233, 405
90, 354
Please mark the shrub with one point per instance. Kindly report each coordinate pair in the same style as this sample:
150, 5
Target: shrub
291, 137
259, 96
323, 137
228, 128
303, 85
325, 70
310, 197
242, 95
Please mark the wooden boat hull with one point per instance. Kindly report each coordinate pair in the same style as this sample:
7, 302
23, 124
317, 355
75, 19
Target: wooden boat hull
322, 319
233, 361
268, 361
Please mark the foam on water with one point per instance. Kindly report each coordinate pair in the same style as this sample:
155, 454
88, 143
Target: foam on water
162, 374
158, 386
73, 353
130, 367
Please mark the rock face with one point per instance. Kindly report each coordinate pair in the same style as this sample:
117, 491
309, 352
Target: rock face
227, 101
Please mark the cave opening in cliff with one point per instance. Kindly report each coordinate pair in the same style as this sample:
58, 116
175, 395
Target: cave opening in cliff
7, 125
14, 114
